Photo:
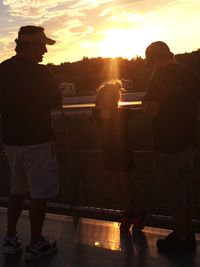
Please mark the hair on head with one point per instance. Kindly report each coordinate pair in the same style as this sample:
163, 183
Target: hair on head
158, 50
109, 92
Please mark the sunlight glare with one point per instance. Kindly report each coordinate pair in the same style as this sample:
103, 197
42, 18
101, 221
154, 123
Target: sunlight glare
127, 43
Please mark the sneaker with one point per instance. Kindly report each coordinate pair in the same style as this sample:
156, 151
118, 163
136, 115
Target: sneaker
11, 246
43, 247
173, 242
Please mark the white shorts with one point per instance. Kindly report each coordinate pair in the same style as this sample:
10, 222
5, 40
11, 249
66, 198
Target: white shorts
34, 169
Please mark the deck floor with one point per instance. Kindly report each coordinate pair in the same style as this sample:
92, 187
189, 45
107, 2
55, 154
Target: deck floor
96, 243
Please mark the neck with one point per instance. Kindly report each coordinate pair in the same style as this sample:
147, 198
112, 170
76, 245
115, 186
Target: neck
24, 55
162, 63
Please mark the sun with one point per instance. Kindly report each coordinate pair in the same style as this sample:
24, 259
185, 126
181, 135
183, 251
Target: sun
127, 43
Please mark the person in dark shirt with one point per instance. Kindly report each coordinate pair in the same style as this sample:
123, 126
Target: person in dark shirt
28, 93
112, 124
170, 101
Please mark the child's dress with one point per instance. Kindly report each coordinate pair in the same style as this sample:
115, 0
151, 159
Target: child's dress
115, 140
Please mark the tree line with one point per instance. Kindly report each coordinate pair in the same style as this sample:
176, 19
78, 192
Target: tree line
89, 73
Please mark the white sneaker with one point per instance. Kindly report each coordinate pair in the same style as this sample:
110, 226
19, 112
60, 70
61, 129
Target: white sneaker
11, 245
43, 247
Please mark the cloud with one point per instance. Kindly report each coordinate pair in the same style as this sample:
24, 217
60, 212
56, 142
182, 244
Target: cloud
90, 13
82, 23
29, 8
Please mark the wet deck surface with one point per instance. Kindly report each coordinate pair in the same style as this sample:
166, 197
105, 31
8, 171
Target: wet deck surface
96, 243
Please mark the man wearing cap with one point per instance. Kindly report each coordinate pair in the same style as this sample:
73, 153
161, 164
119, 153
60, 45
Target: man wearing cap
28, 93
170, 102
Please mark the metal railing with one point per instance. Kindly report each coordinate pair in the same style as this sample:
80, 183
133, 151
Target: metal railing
84, 186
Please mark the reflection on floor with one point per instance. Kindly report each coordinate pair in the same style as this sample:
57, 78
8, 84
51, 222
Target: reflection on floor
95, 243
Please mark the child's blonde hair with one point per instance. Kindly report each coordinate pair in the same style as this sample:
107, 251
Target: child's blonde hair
108, 94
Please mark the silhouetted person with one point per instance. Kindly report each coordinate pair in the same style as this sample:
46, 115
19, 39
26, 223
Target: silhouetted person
28, 92
171, 103
112, 124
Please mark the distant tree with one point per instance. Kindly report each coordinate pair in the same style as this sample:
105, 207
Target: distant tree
89, 73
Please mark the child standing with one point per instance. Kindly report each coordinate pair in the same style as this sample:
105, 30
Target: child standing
112, 124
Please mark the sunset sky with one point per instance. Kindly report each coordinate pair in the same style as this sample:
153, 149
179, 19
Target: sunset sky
106, 28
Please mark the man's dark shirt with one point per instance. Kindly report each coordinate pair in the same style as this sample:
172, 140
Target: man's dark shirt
177, 89
28, 92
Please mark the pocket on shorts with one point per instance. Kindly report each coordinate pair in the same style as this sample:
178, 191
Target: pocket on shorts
43, 171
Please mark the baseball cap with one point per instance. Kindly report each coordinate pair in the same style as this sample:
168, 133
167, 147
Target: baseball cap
34, 34
157, 50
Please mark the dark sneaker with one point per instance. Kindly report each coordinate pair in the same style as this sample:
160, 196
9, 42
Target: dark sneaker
125, 224
11, 246
173, 242
43, 247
